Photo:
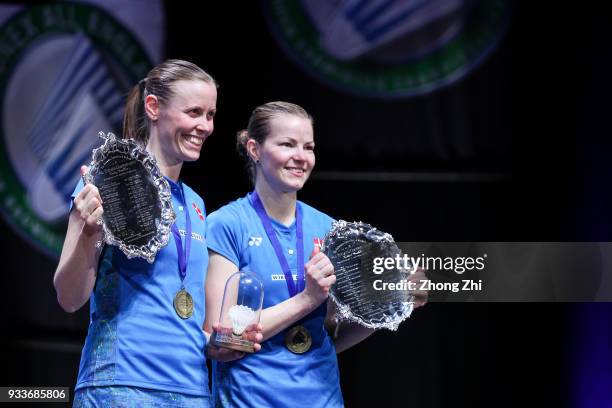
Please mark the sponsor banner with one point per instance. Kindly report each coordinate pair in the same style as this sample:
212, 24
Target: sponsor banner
388, 48
65, 68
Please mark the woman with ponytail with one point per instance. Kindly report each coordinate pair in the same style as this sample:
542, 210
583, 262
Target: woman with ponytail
271, 233
139, 351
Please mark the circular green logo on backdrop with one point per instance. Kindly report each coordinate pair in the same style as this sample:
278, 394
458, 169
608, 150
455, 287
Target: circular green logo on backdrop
388, 48
64, 72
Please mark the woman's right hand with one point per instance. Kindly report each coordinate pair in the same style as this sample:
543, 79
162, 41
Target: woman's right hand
88, 205
76, 272
253, 333
320, 276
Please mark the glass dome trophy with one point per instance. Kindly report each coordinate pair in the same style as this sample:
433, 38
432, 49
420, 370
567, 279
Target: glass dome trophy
241, 308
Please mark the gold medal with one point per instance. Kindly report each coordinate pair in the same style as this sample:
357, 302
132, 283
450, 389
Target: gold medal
183, 304
298, 340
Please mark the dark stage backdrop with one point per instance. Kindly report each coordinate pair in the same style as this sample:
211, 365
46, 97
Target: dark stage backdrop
515, 150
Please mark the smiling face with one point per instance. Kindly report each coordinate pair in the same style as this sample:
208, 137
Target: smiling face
180, 126
286, 157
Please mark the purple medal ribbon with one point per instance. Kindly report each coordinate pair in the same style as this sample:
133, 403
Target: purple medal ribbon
271, 233
183, 256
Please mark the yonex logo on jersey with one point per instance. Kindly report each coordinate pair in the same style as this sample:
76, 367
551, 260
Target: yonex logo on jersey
255, 241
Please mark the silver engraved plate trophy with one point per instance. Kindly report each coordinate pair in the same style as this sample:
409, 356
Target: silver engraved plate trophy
136, 197
241, 308
352, 248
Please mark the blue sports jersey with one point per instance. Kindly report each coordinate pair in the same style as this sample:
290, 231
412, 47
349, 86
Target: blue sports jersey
135, 337
134, 397
274, 376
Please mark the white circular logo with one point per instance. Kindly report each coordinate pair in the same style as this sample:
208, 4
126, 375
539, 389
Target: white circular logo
387, 48
64, 71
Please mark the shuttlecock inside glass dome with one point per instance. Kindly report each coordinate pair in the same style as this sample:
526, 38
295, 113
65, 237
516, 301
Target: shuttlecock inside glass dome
241, 317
